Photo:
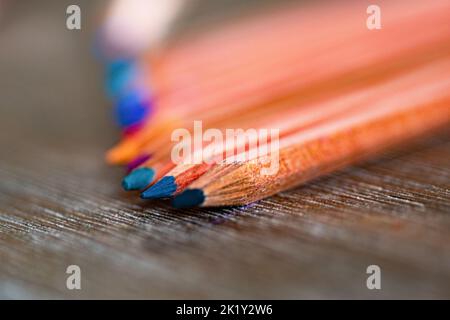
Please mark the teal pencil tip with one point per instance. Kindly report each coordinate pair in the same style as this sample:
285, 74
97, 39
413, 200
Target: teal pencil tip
164, 188
189, 198
138, 179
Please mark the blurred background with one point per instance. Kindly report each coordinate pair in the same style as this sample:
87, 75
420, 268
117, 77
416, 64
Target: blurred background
51, 86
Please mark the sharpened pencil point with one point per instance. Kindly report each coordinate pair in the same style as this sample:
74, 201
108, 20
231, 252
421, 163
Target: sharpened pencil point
189, 198
138, 179
164, 188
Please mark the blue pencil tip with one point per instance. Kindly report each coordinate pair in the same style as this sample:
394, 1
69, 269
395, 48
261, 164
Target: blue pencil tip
138, 179
164, 188
132, 108
120, 74
189, 198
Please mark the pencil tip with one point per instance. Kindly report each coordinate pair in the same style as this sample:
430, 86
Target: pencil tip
189, 198
138, 179
164, 188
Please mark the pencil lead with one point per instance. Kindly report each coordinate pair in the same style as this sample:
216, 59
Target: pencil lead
189, 198
138, 179
164, 188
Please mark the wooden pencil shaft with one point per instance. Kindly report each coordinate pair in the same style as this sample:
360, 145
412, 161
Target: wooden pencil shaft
391, 121
243, 96
346, 106
433, 26
281, 82
375, 73
216, 108
279, 33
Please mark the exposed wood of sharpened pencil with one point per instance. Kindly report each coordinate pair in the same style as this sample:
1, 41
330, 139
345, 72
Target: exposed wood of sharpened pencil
433, 27
390, 121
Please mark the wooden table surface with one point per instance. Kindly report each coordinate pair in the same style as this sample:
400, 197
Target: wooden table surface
61, 205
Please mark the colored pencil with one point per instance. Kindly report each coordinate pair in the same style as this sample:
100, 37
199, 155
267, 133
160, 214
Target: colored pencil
388, 122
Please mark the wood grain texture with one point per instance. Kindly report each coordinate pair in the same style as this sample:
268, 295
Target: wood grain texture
61, 205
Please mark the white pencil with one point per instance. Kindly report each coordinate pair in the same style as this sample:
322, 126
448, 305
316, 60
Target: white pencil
132, 26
